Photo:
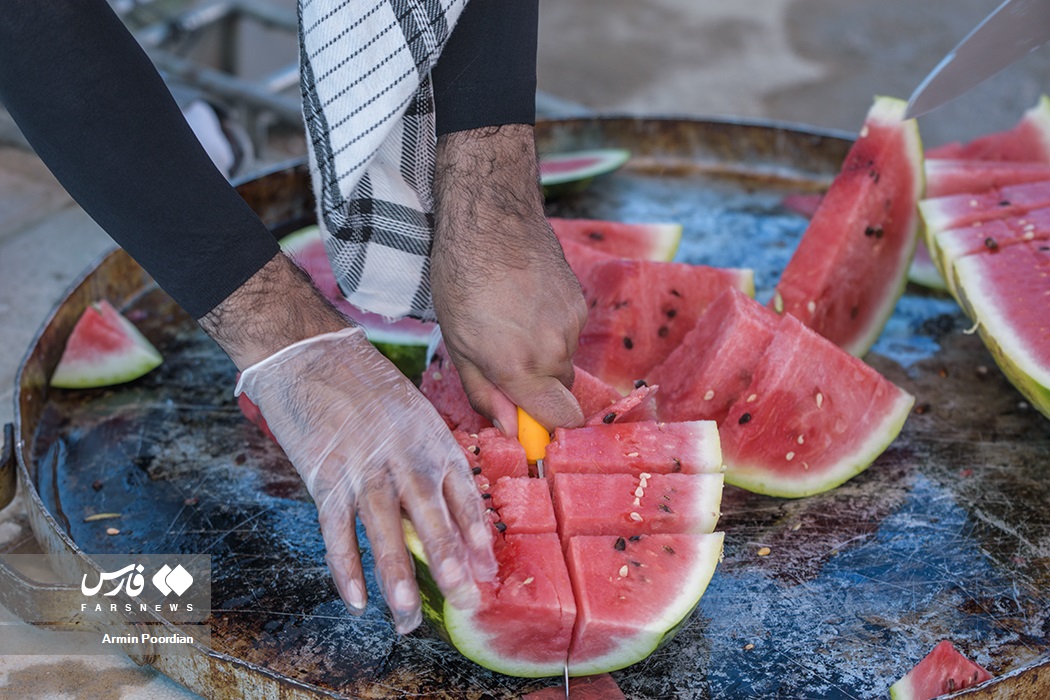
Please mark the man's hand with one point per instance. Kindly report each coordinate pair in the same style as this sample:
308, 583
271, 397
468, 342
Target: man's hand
364, 440
510, 308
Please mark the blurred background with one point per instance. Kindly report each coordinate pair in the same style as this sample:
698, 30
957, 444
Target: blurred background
232, 66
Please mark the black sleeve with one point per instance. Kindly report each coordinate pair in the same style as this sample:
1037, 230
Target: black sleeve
89, 101
486, 75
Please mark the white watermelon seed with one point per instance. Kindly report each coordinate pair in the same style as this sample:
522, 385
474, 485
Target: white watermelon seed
635, 517
709, 395
778, 303
805, 465
112, 531
639, 492
527, 581
623, 571
811, 306
789, 456
751, 399
637, 502
801, 439
763, 551
645, 475
864, 131
820, 399
974, 203
632, 454
437, 376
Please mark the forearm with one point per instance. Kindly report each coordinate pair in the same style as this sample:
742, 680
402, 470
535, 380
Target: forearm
97, 113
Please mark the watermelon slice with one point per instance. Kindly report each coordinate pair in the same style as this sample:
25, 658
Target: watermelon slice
953, 211
1006, 293
804, 426
851, 265
639, 241
639, 311
950, 176
565, 173
943, 670
639, 405
1028, 140
103, 349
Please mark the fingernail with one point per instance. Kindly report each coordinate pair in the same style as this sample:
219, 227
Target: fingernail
406, 623
405, 597
452, 573
356, 593
498, 425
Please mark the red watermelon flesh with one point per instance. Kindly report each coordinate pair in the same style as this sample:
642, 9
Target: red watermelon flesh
712, 367
253, 414
627, 505
639, 405
633, 448
640, 241
990, 236
1028, 140
582, 259
622, 594
943, 670
954, 211
492, 455
104, 348
804, 427
522, 506
949, 176
1007, 293
600, 687
805, 204
849, 269
639, 311
593, 394
441, 384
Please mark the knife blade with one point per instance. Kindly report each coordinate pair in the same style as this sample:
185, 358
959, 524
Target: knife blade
566, 681
1014, 29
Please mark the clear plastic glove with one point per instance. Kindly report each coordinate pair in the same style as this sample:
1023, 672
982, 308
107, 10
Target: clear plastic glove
368, 444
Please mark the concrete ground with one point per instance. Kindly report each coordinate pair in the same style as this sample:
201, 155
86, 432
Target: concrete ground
814, 62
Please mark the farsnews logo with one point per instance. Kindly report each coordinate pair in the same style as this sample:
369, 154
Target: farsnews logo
131, 581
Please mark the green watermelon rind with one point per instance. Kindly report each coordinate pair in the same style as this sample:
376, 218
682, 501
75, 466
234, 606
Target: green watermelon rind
674, 617
891, 110
758, 478
138, 360
1023, 371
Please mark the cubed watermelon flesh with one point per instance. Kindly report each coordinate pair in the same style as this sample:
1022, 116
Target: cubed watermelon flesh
492, 455
600, 687
851, 266
943, 670
522, 505
628, 505
104, 348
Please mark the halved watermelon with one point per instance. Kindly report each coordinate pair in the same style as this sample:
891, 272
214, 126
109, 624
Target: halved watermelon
639, 241
1028, 140
639, 311
812, 418
573, 171
104, 348
404, 341
943, 670
851, 265
1007, 294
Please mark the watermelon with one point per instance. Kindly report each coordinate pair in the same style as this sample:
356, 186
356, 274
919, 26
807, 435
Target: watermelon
1007, 295
565, 173
943, 670
639, 311
953, 211
103, 349
639, 241
639, 405
628, 505
492, 455
851, 265
812, 417
949, 176
404, 341
441, 384
608, 591
803, 203
600, 687
635, 448
593, 394
1028, 140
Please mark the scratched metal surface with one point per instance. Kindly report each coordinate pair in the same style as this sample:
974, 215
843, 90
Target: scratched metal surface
947, 535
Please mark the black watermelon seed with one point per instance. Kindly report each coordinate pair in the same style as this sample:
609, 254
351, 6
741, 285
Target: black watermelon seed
596, 235
486, 496
854, 311
620, 544
991, 244
636, 563
676, 293
664, 507
1004, 203
475, 471
608, 418
745, 418
639, 383
668, 549
663, 331
671, 313
628, 343
501, 526
677, 465
634, 538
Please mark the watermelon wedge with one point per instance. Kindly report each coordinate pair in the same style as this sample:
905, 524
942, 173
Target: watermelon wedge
1006, 293
573, 171
851, 265
951, 176
1028, 140
943, 670
639, 311
103, 349
639, 241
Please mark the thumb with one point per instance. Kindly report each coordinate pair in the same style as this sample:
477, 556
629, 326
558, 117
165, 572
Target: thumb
487, 399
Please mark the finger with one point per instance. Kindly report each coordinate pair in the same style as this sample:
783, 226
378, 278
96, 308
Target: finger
442, 542
487, 399
380, 511
547, 400
343, 556
467, 511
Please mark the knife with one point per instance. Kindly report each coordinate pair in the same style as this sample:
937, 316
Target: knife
1015, 28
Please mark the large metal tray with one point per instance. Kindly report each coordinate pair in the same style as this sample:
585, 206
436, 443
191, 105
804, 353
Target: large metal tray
947, 535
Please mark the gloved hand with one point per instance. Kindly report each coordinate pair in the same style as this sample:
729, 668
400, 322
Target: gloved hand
368, 444
510, 308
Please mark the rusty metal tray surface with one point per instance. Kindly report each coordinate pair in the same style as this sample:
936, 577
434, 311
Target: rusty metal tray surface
947, 535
